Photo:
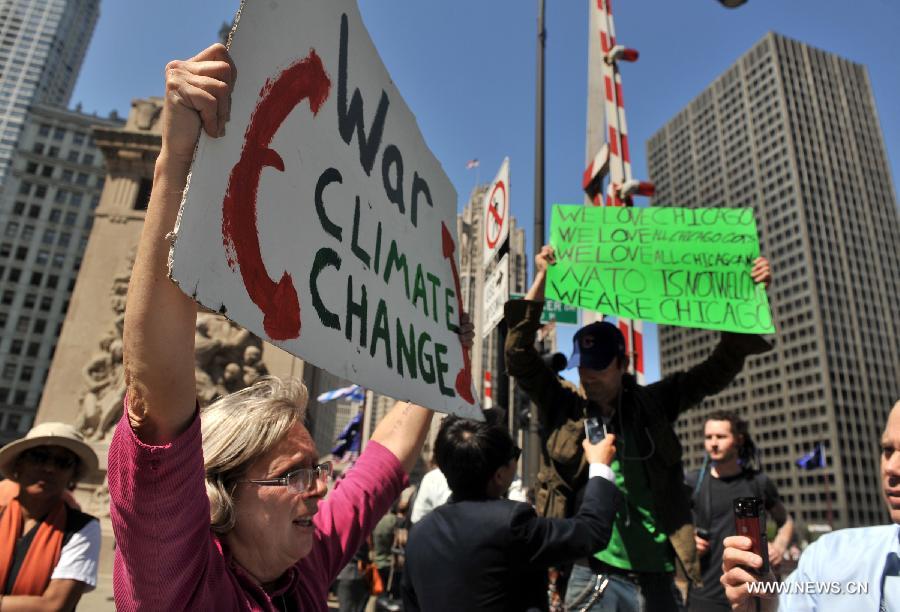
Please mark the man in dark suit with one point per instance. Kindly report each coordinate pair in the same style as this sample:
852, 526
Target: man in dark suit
482, 552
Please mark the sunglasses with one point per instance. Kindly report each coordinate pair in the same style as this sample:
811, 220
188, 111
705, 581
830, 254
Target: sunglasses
299, 481
43, 456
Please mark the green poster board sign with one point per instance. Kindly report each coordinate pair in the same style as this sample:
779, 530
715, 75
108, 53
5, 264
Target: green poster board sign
554, 311
676, 266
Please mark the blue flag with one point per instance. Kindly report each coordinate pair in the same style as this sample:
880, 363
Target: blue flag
349, 440
813, 459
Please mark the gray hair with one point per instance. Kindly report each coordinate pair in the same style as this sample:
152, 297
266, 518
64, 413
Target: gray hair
240, 428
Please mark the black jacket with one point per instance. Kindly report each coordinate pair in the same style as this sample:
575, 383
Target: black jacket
648, 411
494, 554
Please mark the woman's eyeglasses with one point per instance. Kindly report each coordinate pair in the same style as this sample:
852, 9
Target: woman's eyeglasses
42, 456
299, 481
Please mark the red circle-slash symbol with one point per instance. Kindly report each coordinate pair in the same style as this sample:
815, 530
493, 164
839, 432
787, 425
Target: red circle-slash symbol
304, 79
496, 215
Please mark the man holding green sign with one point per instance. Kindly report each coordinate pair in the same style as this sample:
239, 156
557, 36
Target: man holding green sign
653, 528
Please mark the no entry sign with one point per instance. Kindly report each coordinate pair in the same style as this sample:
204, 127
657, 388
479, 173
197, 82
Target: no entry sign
495, 214
321, 221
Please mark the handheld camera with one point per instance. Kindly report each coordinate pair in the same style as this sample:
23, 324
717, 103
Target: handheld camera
750, 521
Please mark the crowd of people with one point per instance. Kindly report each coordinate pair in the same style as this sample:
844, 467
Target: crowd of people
226, 509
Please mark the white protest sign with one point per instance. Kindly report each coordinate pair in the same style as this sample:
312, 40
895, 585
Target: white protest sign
321, 221
495, 213
496, 294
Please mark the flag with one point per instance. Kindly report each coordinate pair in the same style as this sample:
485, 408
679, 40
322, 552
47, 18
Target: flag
472, 163
813, 459
354, 393
348, 442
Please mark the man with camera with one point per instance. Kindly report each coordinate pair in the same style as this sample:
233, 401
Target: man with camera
849, 569
729, 473
653, 529
482, 552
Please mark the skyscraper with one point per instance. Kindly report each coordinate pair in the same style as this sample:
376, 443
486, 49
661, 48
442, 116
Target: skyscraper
42, 46
46, 215
793, 132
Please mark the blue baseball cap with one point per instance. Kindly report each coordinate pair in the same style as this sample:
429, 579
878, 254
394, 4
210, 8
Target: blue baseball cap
596, 345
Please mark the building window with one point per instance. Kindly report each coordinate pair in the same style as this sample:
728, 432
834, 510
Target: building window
12, 422
59, 133
77, 138
12, 229
34, 211
52, 281
36, 278
143, 197
46, 303
30, 300
49, 236
61, 196
26, 374
41, 191
22, 324
15, 347
40, 325
19, 208
9, 371
21, 253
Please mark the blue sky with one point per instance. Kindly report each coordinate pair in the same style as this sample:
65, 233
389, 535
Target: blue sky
467, 71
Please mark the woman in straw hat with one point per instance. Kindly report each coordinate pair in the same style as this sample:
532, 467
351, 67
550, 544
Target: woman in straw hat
225, 509
48, 549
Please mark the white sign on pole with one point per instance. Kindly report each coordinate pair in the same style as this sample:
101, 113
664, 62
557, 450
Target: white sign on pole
321, 221
496, 294
495, 214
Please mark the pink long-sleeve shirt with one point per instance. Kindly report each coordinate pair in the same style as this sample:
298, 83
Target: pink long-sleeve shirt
168, 559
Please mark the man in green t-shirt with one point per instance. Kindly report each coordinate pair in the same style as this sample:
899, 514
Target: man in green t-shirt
653, 529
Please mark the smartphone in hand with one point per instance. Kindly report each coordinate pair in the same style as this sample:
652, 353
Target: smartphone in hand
594, 430
750, 521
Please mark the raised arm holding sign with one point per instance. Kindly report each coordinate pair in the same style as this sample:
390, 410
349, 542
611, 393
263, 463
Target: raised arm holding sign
233, 516
321, 221
648, 463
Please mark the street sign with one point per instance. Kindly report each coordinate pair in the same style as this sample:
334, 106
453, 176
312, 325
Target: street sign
321, 221
496, 294
495, 214
554, 311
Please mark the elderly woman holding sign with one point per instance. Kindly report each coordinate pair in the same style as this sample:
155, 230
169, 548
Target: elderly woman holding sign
224, 510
